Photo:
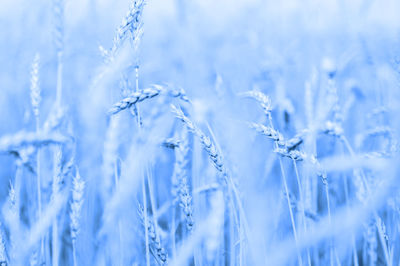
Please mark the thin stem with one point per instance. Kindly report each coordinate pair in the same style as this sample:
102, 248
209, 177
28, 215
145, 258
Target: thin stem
18, 188
329, 220
364, 179
173, 232
56, 177
59, 77
54, 244
241, 255
287, 196
146, 222
353, 243
39, 190
231, 239
303, 213
121, 258
137, 78
58, 104
74, 252
153, 202
290, 209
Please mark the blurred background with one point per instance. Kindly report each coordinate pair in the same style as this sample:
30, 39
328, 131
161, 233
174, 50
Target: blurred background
293, 51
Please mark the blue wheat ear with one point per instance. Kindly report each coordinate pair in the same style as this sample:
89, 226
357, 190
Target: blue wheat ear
155, 247
132, 23
35, 87
208, 145
141, 95
180, 189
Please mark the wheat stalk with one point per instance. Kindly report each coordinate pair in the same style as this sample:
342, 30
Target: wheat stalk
78, 187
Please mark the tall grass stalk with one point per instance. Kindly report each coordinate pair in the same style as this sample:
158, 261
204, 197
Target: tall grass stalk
57, 159
266, 105
146, 222
3, 254
365, 182
120, 241
58, 12
76, 206
216, 159
35, 101
299, 185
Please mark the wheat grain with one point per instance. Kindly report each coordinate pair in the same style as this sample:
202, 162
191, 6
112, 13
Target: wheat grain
141, 95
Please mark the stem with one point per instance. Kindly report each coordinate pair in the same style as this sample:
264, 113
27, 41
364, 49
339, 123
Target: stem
231, 238
39, 191
74, 252
381, 237
303, 213
59, 77
287, 196
353, 243
290, 210
152, 201
54, 244
137, 77
121, 257
329, 220
55, 190
241, 256
17, 186
15, 237
146, 223
332, 249
173, 232
55, 159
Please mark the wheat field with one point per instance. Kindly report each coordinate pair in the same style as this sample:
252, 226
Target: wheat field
172, 132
